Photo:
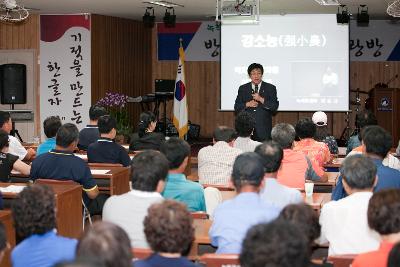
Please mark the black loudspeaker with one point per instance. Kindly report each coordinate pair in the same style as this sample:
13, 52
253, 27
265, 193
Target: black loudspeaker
13, 83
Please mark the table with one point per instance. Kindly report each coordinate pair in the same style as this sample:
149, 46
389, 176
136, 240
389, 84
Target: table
115, 181
68, 199
6, 219
326, 187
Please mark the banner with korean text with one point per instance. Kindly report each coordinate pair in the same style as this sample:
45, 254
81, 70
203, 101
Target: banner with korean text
65, 68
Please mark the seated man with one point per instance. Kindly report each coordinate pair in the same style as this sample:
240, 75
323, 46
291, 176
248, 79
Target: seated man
363, 118
169, 231
61, 163
244, 126
178, 188
8, 161
15, 147
376, 145
344, 222
50, 127
295, 167
384, 218
90, 133
105, 150
274, 192
317, 152
215, 162
149, 170
35, 222
279, 243
234, 217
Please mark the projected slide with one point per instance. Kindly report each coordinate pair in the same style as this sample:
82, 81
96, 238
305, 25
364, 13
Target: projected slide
305, 56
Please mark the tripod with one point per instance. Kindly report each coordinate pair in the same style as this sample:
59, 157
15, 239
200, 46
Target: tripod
14, 131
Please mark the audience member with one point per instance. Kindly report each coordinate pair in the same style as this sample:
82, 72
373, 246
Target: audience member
106, 242
178, 187
15, 147
35, 222
384, 218
215, 162
3, 241
389, 161
8, 161
394, 256
320, 120
244, 126
81, 263
169, 232
363, 118
274, 192
295, 167
61, 163
50, 127
376, 145
232, 218
317, 152
149, 170
344, 222
146, 137
90, 133
278, 243
105, 150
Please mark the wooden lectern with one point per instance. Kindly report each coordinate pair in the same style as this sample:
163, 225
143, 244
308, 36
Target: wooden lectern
386, 107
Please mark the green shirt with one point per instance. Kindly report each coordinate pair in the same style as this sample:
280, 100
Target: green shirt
187, 192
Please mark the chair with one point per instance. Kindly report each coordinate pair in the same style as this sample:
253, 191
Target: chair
219, 260
86, 213
104, 164
199, 215
220, 187
344, 260
141, 253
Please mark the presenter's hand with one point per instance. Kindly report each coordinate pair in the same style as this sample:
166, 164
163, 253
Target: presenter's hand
252, 104
258, 98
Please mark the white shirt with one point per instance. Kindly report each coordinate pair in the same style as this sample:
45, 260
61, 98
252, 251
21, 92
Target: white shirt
389, 161
278, 194
344, 224
215, 163
16, 148
246, 144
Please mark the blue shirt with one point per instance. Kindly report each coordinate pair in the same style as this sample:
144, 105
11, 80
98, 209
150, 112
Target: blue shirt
278, 194
234, 217
387, 178
63, 165
182, 190
352, 143
88, 135
46, 146
156, 260
43, 250
106, 151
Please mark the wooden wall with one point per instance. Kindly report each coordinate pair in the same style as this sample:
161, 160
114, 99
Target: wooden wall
120, 59
203, 83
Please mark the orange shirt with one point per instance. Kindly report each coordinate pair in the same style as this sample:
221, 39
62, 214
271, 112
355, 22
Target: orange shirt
376, 258
358, 149
317, 152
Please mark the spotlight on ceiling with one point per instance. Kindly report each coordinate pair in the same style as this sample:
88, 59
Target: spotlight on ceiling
149, 19
169, 19
343, 15
363, 16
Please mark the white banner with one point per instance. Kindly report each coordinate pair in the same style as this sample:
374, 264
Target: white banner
65, 68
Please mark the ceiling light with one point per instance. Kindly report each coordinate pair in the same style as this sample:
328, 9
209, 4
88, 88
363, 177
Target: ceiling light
362, 16
169, 19
149, 19
343, 15
166, 4
328, 2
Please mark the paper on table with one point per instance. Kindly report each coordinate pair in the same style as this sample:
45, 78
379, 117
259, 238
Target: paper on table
99, 171
12, 189
82, 156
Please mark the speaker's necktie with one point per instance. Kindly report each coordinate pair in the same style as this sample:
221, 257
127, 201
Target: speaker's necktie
256, 88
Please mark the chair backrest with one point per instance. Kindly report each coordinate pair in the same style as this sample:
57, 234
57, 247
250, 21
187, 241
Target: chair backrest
220, 187
199, 215
54, 181
219, 260
344, 260
141, 253
105, 165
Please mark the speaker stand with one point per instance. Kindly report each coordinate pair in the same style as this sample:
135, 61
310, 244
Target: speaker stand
14, 132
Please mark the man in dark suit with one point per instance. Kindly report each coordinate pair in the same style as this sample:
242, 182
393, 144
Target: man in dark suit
259, 98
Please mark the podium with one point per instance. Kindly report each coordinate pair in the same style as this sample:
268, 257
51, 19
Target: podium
386, 107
